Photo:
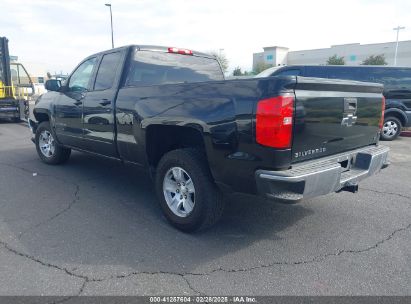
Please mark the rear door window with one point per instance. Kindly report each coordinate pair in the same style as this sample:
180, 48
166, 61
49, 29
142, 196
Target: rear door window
154, 68
107, 71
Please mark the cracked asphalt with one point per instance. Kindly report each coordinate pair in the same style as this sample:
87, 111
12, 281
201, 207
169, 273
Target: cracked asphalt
93, 227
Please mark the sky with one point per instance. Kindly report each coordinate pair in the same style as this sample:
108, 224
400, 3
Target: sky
55, 35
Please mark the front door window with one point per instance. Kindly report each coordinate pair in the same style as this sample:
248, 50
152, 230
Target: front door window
80, 79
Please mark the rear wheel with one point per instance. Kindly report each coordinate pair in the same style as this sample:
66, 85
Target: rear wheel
48, 149
391, 128
187, 194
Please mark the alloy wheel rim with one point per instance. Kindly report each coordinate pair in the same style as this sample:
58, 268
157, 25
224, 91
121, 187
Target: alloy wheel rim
179, 191
390, 128
47, 144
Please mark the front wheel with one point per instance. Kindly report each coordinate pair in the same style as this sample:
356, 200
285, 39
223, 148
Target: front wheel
391, 128
187, 194
48, 149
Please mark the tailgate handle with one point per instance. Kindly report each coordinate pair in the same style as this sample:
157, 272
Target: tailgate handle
350, 105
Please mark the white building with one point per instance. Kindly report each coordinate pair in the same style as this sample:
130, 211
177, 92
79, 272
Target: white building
354, 54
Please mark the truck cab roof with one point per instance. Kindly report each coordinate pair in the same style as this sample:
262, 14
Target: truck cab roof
154, 48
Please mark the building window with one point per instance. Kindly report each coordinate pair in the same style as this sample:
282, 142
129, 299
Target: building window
353, 58
269, 57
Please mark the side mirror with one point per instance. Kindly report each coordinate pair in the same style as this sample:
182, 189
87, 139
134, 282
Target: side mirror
53, 85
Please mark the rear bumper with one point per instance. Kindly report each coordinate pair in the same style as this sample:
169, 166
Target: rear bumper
319, 177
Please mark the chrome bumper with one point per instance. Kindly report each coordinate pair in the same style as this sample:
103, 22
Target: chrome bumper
326, 175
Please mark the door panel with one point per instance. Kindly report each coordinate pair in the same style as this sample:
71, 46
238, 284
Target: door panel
69, 110
69, 107
98, 109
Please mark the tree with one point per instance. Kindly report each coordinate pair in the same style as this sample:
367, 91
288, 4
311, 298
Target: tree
237, 71
335, 60
261, 66
222, 59
49, 75
375, 60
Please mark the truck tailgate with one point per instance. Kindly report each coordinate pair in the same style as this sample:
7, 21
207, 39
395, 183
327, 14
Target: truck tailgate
334, 116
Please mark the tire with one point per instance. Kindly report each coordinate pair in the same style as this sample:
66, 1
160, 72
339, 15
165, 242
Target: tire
202, 196
391, 128
45, 141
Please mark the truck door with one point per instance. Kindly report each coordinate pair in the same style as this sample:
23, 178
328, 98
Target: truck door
98, 107
69, 107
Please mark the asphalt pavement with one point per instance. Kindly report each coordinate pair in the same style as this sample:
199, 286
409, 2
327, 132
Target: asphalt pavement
93, 227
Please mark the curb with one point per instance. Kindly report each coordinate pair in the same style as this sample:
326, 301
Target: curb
406, 133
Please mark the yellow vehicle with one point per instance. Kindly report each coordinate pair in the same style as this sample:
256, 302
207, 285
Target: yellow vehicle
16, 86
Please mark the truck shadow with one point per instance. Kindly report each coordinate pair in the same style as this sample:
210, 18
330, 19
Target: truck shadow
108, 218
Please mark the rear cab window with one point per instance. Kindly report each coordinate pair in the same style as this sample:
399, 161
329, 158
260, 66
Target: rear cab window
158, 67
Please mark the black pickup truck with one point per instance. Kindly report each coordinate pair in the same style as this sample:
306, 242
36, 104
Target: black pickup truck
170, 111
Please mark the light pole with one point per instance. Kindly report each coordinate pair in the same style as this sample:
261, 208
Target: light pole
398, 28
111, 19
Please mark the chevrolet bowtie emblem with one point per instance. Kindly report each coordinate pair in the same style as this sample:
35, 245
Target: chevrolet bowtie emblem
348, 120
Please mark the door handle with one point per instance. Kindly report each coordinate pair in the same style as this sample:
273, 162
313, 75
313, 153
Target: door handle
78, 102
105, 102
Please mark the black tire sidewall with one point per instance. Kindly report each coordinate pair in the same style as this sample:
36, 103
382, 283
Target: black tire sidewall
398, 122
197, 217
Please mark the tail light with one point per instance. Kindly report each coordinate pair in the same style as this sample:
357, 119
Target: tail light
274, 121
382, 113
180, 51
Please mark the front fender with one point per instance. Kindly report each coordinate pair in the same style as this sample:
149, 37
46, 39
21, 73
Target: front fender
44, 106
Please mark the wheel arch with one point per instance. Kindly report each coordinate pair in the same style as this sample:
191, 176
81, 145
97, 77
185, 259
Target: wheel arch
160, 139
398, 114
41, 115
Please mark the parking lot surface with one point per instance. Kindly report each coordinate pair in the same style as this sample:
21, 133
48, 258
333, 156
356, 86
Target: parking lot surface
93, 227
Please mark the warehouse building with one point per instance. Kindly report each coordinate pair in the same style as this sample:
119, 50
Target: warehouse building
354, 54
